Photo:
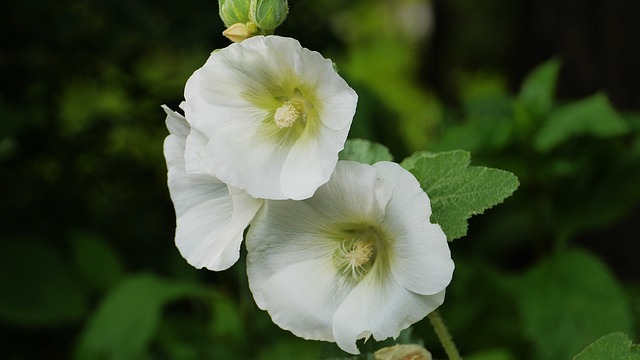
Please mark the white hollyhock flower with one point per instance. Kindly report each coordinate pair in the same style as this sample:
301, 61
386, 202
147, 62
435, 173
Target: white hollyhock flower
275, 115
210, 216
359, 258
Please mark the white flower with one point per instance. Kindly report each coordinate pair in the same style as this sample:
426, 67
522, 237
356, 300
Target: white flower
275, 114
210, 216
359, 258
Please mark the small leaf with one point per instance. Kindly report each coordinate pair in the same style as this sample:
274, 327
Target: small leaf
291, 348
38, 288
573, 294
590, 116
458, 191
98, 262
538, 89
613, 346
227, 323
479, 134
364, 151
127, 318
491, 354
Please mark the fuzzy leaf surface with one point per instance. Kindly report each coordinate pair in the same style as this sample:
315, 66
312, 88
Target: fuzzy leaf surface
612, 346
457, 190
364, 151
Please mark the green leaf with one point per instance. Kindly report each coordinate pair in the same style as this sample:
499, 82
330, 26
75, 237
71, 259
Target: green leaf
291, 348
37, 285
457, 190
227, 323
99, 264
128, 317
590, 116
479, 134
613, 346
538, 89
575, 296
491, 354
364, 151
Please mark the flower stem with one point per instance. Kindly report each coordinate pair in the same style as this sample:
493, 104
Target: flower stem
444, 336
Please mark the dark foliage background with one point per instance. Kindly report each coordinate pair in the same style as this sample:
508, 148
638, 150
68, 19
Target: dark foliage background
88, 268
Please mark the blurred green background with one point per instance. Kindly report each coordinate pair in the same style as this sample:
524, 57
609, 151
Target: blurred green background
549, 90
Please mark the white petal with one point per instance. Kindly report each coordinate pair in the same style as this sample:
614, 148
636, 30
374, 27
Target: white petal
354, 193
303, 298
284, 233
176, 123
195, 163
174, 143
311, 161
336, 101
421, 259
210, 218
251, 163
380, 307
338, 109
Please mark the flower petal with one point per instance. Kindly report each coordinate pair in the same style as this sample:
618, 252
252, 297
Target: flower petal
310, 162
421, 257
176, 123
354, 194
196, 142
339, 107
231, 99
303, 298
380, 307
284, 233
210, 218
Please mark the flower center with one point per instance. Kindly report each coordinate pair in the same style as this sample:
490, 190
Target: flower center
355, 256
288, 113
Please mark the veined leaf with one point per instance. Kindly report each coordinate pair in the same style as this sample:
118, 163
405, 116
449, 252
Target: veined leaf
364, 151
458, 191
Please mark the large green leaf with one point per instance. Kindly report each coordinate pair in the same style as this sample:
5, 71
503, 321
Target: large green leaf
127, 318
590, 116
364, 151
457, 190
613, 346
568, 301
38, 288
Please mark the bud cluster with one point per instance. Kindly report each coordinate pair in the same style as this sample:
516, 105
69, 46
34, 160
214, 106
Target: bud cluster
247, 18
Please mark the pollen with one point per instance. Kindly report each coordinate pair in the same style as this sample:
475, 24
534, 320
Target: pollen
360, 252
354, 256
288, 113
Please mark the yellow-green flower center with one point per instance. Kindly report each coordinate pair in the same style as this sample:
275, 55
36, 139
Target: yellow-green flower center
287, 114
355, 256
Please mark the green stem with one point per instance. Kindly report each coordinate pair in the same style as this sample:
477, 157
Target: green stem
444, 336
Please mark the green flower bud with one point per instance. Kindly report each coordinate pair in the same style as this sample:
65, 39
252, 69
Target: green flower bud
234, 11
268, 14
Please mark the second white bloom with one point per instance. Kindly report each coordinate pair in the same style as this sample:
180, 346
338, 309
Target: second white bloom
210, 216
359, 258
275, 115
